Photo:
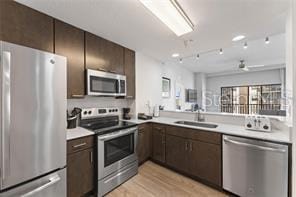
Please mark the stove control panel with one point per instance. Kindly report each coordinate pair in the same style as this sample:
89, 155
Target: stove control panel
258, 123
99, 112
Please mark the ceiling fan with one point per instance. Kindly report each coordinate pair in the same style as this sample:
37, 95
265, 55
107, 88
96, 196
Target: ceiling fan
242, 66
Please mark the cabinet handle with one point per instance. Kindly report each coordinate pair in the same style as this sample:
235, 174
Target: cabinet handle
77, 96
186, 146
191, 148
79, 145
91, 157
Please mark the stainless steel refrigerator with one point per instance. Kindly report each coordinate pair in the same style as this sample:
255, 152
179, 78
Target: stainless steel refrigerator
33, 122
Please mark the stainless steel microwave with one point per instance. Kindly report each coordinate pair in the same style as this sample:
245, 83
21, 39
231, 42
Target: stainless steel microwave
101, 83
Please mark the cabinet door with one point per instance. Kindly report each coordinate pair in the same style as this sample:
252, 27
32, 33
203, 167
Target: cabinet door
22, 25
80, 173
158, 143
205, 161
141, 146
176, 152
104, 55
69, 42
144, 143
130, 72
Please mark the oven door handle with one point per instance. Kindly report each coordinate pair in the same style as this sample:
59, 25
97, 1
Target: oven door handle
116, 134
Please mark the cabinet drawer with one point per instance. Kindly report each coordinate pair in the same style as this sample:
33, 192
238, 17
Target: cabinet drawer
208, 136
159, 128
79, 144
195, 134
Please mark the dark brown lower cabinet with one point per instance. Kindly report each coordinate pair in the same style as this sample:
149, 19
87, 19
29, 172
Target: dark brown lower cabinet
205, 161
194, 152
80, 170
144, 142
176, 152
158, 143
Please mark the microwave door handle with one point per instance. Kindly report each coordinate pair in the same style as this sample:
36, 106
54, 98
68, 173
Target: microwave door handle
6, 112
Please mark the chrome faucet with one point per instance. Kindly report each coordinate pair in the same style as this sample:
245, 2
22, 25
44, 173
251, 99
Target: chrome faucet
198, 116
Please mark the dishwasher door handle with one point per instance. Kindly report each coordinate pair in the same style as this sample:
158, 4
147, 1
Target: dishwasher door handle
263, 148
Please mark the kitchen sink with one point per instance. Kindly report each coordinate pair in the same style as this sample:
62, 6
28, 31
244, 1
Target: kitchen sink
197, 124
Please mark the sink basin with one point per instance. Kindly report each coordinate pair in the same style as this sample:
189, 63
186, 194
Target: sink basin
197, 124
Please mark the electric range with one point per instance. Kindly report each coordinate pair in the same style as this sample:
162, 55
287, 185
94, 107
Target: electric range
116, 146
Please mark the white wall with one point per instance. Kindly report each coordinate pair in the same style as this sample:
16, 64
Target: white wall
214, 84
149, 73
148, 82
180, 77
201, 87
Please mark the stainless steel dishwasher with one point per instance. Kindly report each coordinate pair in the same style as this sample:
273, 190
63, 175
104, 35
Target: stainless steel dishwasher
255, 168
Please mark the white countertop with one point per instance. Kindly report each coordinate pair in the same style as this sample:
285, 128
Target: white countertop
77, 133
275, 135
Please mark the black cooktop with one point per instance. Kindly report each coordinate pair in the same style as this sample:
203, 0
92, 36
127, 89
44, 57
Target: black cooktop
105, 125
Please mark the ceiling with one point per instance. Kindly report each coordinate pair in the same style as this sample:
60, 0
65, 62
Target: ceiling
130, 24
270, 55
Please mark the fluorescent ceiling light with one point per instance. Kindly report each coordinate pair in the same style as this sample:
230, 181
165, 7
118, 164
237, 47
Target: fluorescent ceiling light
175, 55
171, 14
238, 38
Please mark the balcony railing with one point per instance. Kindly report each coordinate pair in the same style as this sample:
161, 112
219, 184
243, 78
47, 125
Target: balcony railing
248, 108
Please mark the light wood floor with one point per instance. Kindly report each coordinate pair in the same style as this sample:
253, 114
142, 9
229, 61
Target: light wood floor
154, 180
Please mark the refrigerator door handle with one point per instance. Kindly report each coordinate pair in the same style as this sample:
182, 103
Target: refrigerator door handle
53, 180
6, 114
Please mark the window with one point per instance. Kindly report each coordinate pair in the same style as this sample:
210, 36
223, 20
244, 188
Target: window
250, 99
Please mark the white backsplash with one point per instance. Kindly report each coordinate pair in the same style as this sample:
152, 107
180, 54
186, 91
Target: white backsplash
89, 101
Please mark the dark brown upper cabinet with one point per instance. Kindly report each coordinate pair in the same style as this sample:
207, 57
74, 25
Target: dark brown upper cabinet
103, 55
130, 72
24, 26
69, 42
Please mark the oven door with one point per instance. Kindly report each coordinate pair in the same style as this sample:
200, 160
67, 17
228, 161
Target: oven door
102, 83
116, 150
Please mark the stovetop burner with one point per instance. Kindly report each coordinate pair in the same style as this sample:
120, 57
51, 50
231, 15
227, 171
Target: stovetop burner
103, 125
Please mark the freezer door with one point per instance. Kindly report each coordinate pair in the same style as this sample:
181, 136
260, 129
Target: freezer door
33, 113
53, 185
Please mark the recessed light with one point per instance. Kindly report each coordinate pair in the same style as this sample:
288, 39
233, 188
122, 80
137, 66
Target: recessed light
245, 45
171, 14
238, 38
175, 55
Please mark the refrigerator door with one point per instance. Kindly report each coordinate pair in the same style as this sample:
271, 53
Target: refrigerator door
33, 113
52, 185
